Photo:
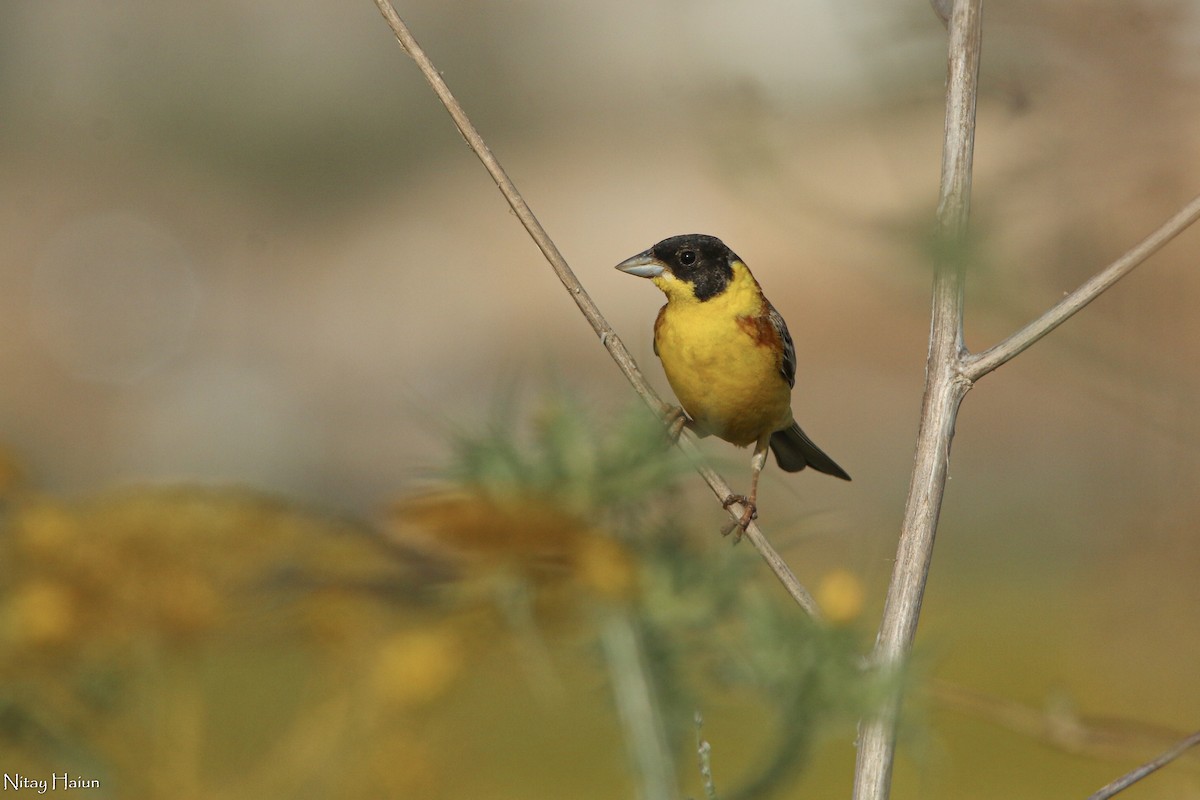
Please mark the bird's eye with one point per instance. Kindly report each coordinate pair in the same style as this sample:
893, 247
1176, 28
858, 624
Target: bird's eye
687, 257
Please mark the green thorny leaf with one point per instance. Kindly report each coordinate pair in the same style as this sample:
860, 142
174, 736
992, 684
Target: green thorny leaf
568, 454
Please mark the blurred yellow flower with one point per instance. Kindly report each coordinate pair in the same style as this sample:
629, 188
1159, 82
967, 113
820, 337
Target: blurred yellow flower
336, 618
41, 613
188, 604
841, 596
45, 530
605, 565
416, 667
523, 531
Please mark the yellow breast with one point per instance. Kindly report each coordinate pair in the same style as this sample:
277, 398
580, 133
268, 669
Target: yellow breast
726, 378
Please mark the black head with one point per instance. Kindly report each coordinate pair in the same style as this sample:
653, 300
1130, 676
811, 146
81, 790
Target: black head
703, 261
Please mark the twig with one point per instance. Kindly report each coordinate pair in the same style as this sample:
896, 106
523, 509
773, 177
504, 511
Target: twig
1129, 779
944, 390
608, 337
978, 365
1060, 727
754, 533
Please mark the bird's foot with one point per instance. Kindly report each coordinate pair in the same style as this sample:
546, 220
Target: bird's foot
738, 526
676, 420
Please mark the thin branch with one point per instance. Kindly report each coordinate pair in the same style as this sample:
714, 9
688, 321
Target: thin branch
608, 337
944, 390
976, 366
1055, 725
1129, 779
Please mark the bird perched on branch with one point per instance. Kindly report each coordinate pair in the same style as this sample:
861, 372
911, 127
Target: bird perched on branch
728, 356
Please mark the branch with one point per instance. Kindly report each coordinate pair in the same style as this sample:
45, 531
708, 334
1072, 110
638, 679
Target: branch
1057, 726
1127, 780
944, 390
608, 337
978, 365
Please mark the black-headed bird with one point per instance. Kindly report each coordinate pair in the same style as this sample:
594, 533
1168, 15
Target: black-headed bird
728, 355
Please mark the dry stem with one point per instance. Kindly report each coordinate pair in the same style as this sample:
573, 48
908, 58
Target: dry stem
944, 390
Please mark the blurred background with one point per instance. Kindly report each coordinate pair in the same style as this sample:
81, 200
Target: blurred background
256, 293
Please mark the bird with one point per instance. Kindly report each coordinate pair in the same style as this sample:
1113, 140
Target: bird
728, 357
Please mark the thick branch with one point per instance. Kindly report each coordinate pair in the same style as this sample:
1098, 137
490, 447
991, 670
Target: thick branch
944, 390
976, 366
608, 337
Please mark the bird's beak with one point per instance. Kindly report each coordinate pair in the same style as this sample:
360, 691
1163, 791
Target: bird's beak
644, 265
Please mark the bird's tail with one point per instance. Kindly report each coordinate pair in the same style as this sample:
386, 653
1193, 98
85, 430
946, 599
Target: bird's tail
794, 451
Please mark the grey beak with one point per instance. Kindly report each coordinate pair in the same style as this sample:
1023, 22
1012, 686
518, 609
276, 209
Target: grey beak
644, 265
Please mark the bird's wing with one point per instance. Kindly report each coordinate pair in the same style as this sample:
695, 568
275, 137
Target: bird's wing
788, 366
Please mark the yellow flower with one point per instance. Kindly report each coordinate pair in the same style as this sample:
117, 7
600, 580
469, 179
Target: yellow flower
46, 531
604, 565
41, 613
841, 596
522, 531
188, 604
416, 667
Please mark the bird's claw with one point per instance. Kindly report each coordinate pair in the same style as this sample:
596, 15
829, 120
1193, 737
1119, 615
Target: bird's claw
748, 515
